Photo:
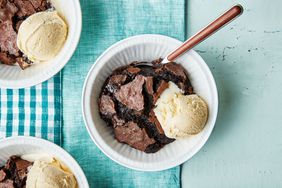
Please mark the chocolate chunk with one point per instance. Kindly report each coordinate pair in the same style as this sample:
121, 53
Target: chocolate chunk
114, 82
23, 62
44, 5
37, 4
16, 170
153, 148
2, 175
3, 3
106, 105
117, 79
163, 85
22, 170
7, 10
7, 184
22, 164
148, 94
157, 62
125, 113
144, 69
18, 24
175, 69
131, 94
186, 87
133, 70
11, 8
4, 58
153, 119
10, 165
190, 90
25, 8
117, 122
149, 85
8, 38
133, 135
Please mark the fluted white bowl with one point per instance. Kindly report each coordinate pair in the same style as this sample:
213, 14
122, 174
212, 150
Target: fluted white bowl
146, 48
14, 77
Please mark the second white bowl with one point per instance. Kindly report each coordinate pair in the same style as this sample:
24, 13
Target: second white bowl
13, 77
22, 145
146, 48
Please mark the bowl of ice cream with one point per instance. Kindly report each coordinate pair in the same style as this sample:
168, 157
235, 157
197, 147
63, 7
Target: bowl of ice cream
34, 162
38, 38
149, 118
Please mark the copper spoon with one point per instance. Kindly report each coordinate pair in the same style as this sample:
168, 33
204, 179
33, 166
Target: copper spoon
214, 26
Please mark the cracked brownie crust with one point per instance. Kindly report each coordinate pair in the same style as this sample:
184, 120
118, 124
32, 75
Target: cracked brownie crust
128, 97
14, 173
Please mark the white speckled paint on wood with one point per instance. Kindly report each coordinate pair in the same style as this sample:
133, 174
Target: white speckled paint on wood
245, 148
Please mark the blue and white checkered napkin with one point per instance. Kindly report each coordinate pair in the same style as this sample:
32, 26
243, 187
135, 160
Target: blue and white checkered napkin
34, 111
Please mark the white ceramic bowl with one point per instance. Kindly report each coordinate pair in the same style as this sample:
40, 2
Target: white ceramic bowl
13, 77
146, 48
21, 145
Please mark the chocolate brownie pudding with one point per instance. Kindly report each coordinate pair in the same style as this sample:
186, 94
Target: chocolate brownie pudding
128, 98
12, 14
14, 173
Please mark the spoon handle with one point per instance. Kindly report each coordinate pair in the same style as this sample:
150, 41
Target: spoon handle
207, 31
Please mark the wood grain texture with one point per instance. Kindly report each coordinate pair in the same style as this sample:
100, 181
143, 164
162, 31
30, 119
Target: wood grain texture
245, 148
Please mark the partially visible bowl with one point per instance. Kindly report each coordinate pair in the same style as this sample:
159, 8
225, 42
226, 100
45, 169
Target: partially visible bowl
22, 145
13, 77
146, 48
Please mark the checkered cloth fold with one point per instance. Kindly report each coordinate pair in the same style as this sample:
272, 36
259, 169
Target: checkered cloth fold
34, 111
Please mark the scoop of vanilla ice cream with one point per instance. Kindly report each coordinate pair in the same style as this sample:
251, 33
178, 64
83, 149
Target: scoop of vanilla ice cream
180, 115
42, 35
50, 173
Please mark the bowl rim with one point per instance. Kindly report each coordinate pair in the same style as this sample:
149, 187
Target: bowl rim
45, 144
194, 150
26, 83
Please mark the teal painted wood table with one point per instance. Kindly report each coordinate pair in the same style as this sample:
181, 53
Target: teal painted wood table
245, 148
